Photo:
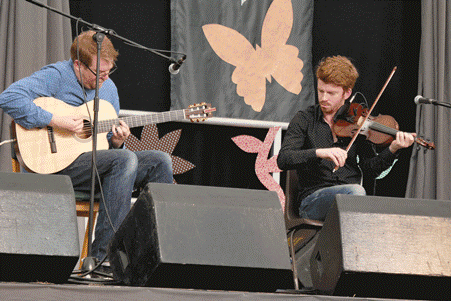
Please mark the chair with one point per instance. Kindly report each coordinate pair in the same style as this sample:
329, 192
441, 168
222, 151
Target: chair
300, 231
82, 204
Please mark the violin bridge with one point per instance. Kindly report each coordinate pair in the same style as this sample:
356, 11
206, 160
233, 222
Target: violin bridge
365, 128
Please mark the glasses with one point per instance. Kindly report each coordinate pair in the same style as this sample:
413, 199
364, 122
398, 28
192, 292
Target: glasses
104, 73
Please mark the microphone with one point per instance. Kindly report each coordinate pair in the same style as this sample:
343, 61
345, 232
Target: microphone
420, 99
342, 111
174, 67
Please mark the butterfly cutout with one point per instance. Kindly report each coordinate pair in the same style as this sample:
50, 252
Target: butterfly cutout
273, 59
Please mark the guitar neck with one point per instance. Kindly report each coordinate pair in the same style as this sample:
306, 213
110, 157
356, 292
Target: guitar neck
105, 126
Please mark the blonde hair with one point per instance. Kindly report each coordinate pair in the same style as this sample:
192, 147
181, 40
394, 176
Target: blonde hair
87, 48
337, 70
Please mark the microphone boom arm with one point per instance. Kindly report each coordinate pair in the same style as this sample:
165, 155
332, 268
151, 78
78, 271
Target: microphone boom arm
109, 32
423, 100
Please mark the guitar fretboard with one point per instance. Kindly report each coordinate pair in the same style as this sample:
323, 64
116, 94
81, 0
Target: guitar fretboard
140, 120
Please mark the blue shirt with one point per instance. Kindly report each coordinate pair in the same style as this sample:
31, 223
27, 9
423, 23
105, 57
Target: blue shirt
56, 80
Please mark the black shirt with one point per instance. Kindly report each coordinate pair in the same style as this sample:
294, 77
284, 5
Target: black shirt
307, 132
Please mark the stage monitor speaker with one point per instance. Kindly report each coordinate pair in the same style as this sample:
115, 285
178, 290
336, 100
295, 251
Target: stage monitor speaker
38, 228
384, 247
186, 236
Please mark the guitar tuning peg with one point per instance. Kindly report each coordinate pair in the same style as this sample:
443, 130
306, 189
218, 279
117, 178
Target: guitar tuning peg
198, 119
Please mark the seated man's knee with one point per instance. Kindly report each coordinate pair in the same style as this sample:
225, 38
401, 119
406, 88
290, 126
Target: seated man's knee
166, 160
357, 190
158, 166
166, 165
127, 160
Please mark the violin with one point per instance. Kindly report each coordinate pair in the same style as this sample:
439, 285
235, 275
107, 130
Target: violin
364, 120
379, 130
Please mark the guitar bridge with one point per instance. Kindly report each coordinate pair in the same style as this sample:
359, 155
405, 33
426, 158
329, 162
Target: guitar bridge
51, 139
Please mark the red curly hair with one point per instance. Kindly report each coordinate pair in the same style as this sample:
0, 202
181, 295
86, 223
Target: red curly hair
337, 70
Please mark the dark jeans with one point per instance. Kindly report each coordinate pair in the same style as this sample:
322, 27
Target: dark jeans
121, 171
316, 205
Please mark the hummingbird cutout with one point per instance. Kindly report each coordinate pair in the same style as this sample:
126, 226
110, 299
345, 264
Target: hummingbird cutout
263, 166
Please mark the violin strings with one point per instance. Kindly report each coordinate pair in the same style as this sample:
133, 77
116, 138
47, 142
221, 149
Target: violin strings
382, 128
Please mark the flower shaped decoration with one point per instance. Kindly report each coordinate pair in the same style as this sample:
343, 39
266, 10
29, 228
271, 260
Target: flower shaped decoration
263, 166
150, 141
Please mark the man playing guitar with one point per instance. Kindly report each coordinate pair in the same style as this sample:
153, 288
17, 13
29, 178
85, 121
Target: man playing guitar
73, 82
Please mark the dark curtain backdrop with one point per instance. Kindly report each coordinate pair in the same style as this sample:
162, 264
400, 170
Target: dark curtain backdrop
377, 35
142, 77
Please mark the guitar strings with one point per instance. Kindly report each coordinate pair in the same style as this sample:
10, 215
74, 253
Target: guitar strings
135, 120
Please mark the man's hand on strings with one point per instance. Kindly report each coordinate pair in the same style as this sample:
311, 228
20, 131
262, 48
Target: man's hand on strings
120, 134
402, 140
72, 124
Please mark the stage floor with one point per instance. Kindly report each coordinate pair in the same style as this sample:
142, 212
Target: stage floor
44, 291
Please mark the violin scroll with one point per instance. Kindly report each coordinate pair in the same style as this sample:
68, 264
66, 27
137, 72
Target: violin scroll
426, 144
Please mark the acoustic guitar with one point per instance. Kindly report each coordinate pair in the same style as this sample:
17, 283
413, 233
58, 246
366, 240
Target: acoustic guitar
49, 150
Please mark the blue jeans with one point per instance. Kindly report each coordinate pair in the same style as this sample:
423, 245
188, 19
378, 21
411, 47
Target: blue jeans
316, 205
121, 171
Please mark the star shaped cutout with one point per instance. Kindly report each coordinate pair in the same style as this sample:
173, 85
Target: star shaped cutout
167, 143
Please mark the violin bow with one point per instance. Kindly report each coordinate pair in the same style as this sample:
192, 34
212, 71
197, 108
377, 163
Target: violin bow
368, 114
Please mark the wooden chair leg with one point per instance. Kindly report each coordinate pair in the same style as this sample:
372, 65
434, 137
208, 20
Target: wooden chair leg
84, 250
15, 165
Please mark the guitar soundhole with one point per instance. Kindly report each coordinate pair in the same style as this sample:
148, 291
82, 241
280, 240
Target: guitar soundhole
87, 130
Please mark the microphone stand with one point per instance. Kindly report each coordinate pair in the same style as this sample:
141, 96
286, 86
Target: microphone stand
90, 262
109, 32
443, 104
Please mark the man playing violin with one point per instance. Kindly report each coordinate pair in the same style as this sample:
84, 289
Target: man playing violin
312, 148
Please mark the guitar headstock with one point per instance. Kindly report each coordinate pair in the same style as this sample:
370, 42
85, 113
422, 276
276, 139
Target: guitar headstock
199, 112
